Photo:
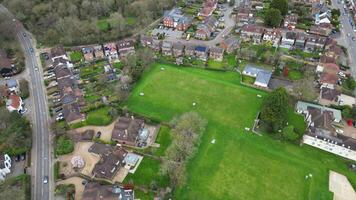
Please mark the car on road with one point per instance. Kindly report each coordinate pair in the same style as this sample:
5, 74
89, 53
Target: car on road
348, 35
45, 179
36, 68
24, 34
353, 38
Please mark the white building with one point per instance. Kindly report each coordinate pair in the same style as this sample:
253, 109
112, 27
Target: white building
5, 165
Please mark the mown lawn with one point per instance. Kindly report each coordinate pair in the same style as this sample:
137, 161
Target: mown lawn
99, 117
295, 75
147, 174
76, 56
240, 165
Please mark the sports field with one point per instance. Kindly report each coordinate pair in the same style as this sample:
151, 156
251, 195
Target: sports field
240, 165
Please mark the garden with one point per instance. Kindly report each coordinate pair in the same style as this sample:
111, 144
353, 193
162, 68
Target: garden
239, 164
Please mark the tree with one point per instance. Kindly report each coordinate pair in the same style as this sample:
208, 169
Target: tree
285, 71
281, 5
274, 109
232, 3
24, 89
305, 88
272, 17
289, 134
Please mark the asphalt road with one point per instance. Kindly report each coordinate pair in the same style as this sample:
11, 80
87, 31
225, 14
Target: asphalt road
346, 40
41, 159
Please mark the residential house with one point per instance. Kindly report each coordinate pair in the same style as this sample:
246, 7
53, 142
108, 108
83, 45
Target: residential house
167, 48
216, 53
327, 59
323, 18
146, 40
328, 96
14, 103
288, 39
98, 52
5, 166
252, 33
71, 113
201, 52
244, 16
110, 50
189, 50
208, 8
156, 45
323, 130
262, 76
111, 160
328, 80
12, 85
58, 52
300, 40
333, 51
126, 47
315, 42
96, 191
175, 19
323, 29
272, 35
290, 21
88, 53
205, 29
130, 131
230, 44
6, 67
178, 49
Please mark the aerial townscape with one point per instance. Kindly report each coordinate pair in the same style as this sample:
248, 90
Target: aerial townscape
178, 99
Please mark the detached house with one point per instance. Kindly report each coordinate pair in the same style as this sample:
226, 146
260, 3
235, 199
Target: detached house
5, 166
125, 47
273, 36
324, 17
252, 33
14, 103
288, 39
110, 51
178, 49
88, 53
208, 8
205, 29
321, 29
175, 19
244, 16
167, 48
290, 21
130, 131
217, 53
230, 44
98, 52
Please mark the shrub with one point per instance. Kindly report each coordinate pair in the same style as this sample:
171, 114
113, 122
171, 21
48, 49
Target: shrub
64, 145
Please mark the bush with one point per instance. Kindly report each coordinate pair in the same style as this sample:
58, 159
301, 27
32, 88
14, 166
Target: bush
64, 145
24, 89
56, 168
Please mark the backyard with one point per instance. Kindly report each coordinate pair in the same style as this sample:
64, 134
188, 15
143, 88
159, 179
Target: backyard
240, 164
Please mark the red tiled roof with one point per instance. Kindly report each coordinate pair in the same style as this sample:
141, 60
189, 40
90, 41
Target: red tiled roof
331, 68
15, 101
328, 78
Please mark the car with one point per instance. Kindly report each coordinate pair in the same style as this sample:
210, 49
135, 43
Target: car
45, 179
36, 68
353, 38
14, 20
23, 157
354, 124
348, 35
58, 109
24, 34
98, 134
31, 49
59, 118
17, 158
23, 111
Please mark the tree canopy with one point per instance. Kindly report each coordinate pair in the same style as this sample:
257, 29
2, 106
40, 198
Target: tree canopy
281, 5
272, 17
275, 109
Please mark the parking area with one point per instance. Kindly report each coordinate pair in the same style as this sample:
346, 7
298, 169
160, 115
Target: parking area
167, 32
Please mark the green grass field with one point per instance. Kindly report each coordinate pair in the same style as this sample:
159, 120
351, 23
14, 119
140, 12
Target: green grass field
240, 165
76, 56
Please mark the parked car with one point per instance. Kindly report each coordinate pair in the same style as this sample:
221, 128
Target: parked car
98, 134
23, 156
